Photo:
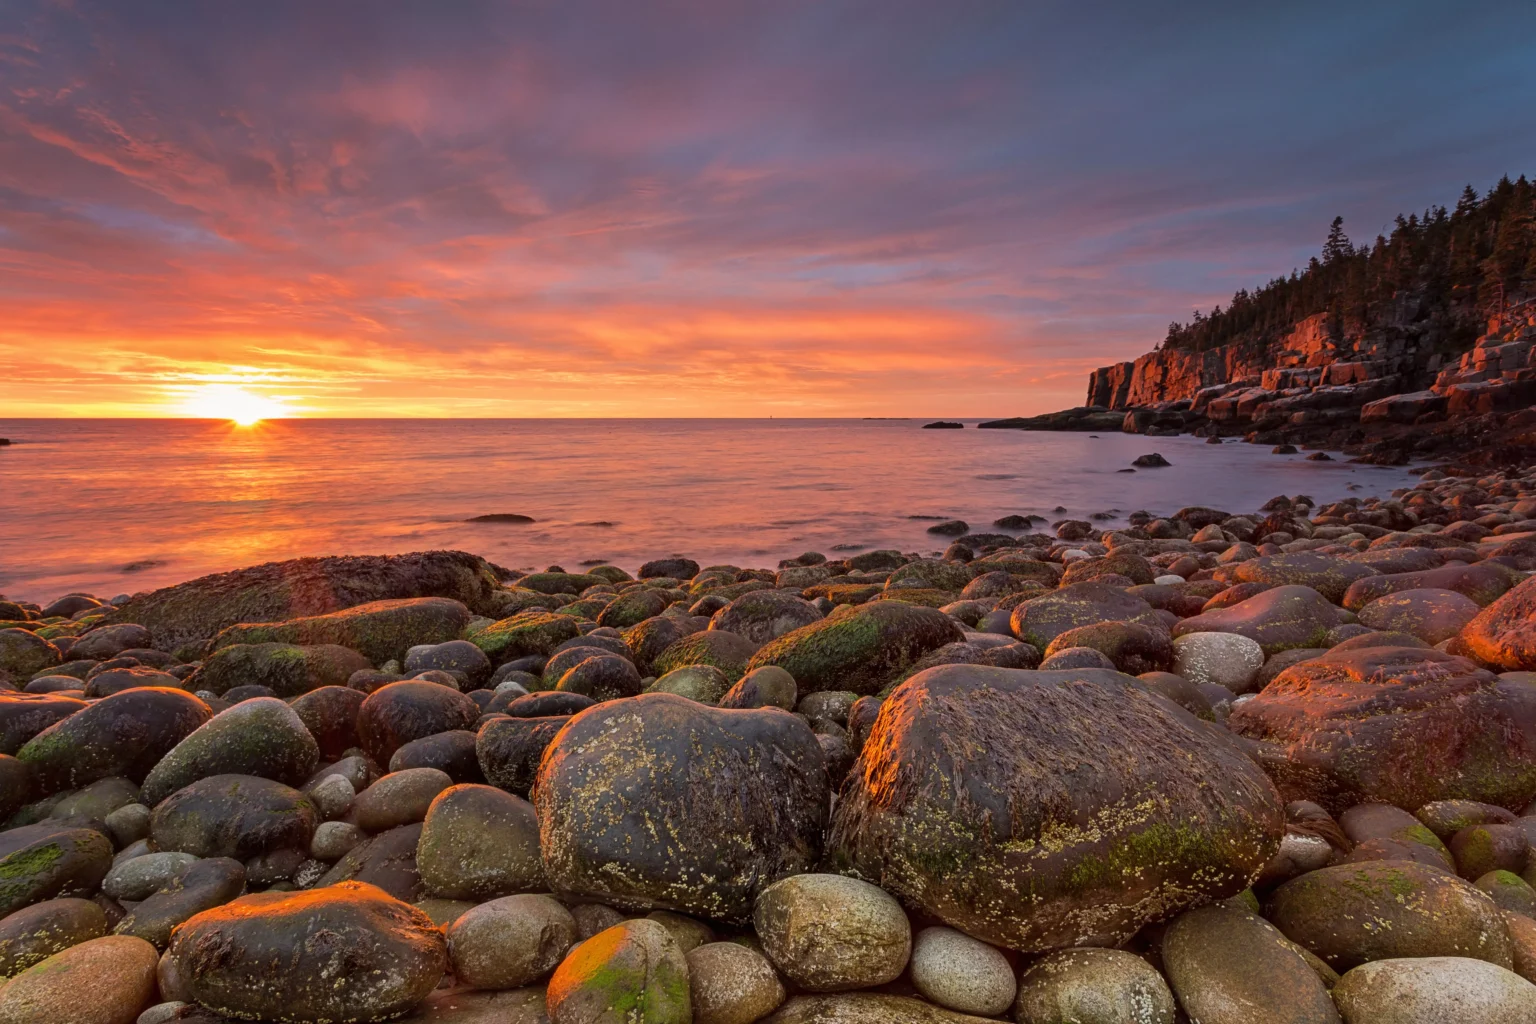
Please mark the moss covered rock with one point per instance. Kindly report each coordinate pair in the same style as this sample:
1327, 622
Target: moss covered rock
1430, 615
24, 715
23, 653
1040, 620
1038, 810
479, 843
509, 750
380, 631
303, 587
48, 860
860, 649
633, 973
32, 935
1403, 726
1279, 619
1351, 914
525, 634
764, 615
236, 816
288, 669
658, 802
559, 582
931, 574
632, 608
348, 952
725, 651
125, 735
255, 737
1329, 575
1117, 563
703, 683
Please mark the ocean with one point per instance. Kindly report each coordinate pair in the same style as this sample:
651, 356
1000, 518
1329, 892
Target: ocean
119, 506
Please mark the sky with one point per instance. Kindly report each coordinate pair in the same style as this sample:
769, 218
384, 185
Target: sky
785, 208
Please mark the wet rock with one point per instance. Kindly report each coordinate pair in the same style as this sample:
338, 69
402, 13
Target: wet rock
1103, 828
138, 878
479, 843
204, 885
104, 684
1231, 965
509, 750
395, 714
1117, 563
830, 933
703, 683
1351, 726
632, 608
1077, 658
33, 934
769, 686
1041, 620
552, 704
731, 984
239, 816
1178, 690
279, 591
452, 752
1325, 574
725, 651
261, 737
473, 1006
1225, 659
605, 677
296, 956
1278, 619
510, 942
647, 640
1093, 986
961, 973
108, 641
1151, 461
387, 861
287, 669
865, 1008
459, 657
658, 802
125, 734
1430, 615
1511, 892
764, 615
1428, 990
399, 798
1479, 849
333, 840
633, 971
1484, 583
1503, 635
861, 649
1351, 914
109, 980
1447, 817
592, 918
330, 716
523, 635
48, 860
1131, 647
1383, 832
380, 631
24, 715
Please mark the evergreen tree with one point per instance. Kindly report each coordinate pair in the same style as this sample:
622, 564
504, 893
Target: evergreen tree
1337, 248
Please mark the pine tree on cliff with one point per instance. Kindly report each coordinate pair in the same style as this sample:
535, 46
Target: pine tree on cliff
1337, 248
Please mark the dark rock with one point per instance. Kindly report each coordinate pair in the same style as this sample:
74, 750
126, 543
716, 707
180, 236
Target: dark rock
451, 752
380, 631
670, 568
108, 641
33, 934
647, 640
632, 608
1221, 957
24, 653
1150, 461
299, 956
49, 860
395, 714
951, 528
500, 517
105, 684
24, 715
261, 737
478, 844
861, 649
1278, 619
237, 816
399, 798
605, 677
943, 425
1040, 620
125, 734
288, 670
1031, 843
206, 884
330, 715
1131, 647
1325, 574
1400, 725
525, 635
459, 657
764, 615
509, 750
725, 651
660, 802
387, 860
550, 704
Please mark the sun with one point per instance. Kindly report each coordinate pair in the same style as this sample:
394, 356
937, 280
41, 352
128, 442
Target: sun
234, 403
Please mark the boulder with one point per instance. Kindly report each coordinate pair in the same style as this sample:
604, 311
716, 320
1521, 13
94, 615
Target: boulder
830, 933
1040, 620
731, 984
1278, 619
525, 635
1037, 810
305, 587
237, 816
397, 713
24, 715
399, 798
1484, 583
703, 683
725, 651
1398, 725
633, 972
1503, 635
1230, 660
452, 752
344, 952
125, 735
1093, 986
388, 861
459, 657
632, 608
138, 878
380, 631
961, 973
1328, 575
47, 860
603, 677
1428, 990
866, 1008
509, 750
108, 641
1131, 647
287, 669
1351, 914
764, 615
24, 654
860, 649
657, 802
510, 942
479, 843
1430, 615
256, 737
109, 980
33, 934
205, 884
330, 715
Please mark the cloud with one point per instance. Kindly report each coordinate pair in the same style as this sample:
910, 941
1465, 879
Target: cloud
614, 209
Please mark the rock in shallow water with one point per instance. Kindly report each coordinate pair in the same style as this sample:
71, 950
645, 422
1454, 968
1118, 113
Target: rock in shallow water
657, 802
1038, 810
345, 952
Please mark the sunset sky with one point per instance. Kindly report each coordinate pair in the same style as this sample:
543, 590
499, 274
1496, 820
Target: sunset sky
690, 209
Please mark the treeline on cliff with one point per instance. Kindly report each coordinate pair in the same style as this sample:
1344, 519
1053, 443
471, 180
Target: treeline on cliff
1458, 266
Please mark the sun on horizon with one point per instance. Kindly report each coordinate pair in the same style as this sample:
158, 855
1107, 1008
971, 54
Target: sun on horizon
232, 402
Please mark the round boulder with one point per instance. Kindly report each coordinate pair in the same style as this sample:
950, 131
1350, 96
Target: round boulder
479, 843
632, 971
860, 649
764, 615
239, 816
962, 973
109, 980
1225, 659
1093, 986
1434, 989
830, 933
262, 737
125, 735
510, 942
395, 714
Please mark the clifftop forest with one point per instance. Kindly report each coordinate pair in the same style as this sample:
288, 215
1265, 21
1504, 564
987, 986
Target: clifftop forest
1455, 266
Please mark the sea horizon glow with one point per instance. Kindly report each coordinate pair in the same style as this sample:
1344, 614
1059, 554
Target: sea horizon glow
597, 210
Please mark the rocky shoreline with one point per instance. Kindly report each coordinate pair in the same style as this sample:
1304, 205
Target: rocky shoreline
1231, 768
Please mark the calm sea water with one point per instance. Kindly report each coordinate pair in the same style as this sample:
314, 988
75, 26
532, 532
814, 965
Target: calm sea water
115, 506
